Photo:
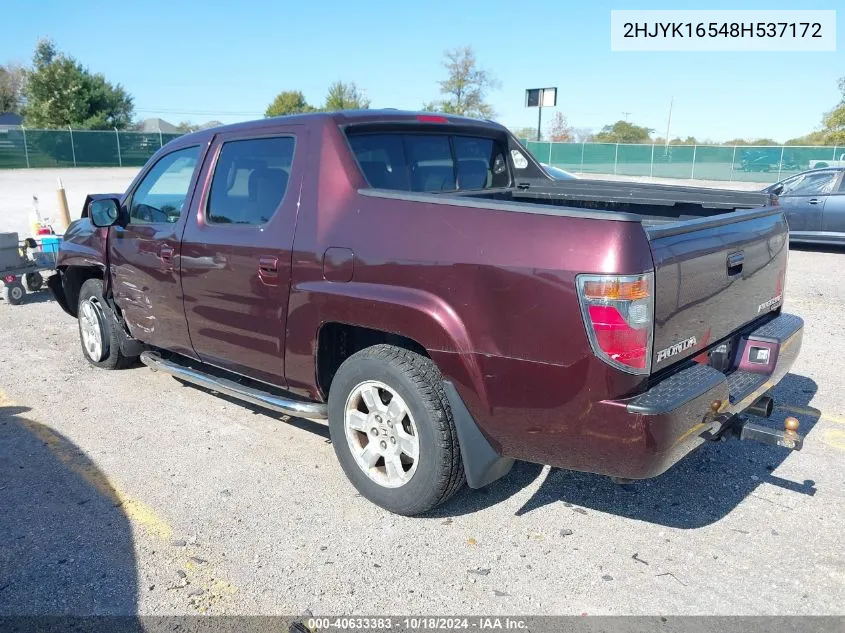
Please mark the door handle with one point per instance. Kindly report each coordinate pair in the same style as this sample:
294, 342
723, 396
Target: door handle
735, 261
268, 265
815, 201
165, 253
268, 270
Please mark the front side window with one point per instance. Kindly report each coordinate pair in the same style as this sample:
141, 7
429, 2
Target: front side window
430, 162
160, 196
250, 180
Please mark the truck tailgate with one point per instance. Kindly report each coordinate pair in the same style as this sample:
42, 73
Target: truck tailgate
713, 276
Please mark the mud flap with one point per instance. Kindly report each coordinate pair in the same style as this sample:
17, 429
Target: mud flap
482, 464
54, 283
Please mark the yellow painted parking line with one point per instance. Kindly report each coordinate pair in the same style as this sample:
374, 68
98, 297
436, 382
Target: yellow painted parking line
812, 411
834, 438
139, 513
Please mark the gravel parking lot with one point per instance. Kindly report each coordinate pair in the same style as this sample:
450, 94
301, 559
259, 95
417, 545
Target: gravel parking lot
127, 492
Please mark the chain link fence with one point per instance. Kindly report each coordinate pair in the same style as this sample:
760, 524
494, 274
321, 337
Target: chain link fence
697, 162
24, 147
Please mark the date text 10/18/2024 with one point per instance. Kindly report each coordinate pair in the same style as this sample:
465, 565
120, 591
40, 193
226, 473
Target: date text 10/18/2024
417, 623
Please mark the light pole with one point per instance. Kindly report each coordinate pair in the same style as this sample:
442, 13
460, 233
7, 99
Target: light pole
669, 121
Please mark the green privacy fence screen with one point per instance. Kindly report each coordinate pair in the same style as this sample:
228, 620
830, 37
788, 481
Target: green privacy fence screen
697, 162
23, 147
20, 148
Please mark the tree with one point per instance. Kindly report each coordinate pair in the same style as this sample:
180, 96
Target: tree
624, 132
343, 96
466, 87
288, 102
525, 133
60, 92
833, 123
582, 135
559, 129
756, 141
813, 138
186, 126
11, 88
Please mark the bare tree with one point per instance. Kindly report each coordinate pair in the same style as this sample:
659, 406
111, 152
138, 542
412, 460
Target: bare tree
559, 129
465, 90
12, 78
582, 134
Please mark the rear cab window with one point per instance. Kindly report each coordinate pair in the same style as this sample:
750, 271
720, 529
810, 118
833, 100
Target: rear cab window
426, 162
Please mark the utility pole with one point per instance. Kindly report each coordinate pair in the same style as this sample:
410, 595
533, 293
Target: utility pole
626, 115
669, 121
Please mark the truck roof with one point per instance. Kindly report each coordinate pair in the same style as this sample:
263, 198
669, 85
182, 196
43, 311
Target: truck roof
343, 117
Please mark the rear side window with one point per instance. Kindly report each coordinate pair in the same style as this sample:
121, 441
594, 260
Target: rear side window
430, 162
250, 180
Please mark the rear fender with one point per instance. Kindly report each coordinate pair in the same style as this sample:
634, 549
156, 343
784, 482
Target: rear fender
415, 314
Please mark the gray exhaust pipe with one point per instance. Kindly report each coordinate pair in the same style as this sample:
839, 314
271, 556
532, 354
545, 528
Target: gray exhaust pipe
762, 408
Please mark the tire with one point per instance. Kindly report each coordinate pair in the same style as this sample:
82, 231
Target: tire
100, 342
14, 293
437, 473
34, 281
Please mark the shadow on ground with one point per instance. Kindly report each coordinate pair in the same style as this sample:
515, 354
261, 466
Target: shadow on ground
312, 426
40, 296
65, 546
699, 490
817, 248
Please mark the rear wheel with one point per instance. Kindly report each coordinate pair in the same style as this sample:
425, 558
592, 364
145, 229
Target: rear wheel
14, 293
392, 430
100, 342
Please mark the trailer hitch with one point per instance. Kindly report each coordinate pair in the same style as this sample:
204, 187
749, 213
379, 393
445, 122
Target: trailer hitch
787, 438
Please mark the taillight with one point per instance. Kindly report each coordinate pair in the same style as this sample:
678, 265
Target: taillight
431, 118
618, 313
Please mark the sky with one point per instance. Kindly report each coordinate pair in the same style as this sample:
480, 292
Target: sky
227, 60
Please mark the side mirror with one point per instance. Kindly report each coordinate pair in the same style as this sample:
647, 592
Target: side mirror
104, 212
777, 189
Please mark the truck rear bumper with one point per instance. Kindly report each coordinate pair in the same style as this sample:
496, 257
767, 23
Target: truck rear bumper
682, 411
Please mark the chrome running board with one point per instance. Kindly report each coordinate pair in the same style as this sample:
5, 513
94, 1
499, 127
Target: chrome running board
288, 406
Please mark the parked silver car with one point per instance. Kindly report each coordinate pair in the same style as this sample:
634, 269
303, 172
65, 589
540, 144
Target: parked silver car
814, 204
557, 173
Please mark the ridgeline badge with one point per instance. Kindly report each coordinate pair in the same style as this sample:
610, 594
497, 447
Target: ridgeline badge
766, 305
677, 348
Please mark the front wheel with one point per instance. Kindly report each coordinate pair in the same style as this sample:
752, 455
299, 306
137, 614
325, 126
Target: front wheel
392, 430
100, 342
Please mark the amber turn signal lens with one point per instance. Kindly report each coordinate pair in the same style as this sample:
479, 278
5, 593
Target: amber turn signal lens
615, 289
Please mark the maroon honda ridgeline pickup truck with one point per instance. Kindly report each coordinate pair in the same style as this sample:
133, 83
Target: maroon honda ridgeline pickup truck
419, 281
